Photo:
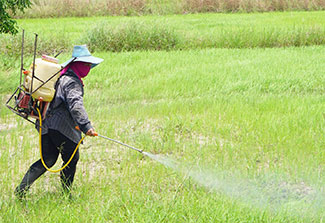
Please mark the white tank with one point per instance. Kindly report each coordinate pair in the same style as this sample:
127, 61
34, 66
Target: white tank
45, 67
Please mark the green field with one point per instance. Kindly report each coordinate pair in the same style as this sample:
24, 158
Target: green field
245, 125
197, 31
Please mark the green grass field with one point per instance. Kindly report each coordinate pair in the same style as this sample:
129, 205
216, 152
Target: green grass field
196, 31
246, 126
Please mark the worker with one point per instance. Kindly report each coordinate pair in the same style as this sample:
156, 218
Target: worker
66, 111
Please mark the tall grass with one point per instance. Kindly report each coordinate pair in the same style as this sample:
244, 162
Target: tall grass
132, 36
80, 8
251, 5
141, 36
69, 8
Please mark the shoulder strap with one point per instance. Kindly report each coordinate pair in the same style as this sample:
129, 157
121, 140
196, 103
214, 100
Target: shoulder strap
53, 100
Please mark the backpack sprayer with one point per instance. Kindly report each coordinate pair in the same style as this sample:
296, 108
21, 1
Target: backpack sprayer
36, 90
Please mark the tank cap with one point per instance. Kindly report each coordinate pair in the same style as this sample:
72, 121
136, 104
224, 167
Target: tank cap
50, 59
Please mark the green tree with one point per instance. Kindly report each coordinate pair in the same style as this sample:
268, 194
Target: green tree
7, 24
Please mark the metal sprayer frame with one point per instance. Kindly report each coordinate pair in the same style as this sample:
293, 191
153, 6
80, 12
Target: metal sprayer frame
21, 86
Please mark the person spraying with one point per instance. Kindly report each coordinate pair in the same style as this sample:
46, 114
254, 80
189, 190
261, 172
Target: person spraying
66, 111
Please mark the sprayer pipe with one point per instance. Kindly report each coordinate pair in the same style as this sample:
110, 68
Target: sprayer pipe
34, 67
113, 140
121, 143
22, 57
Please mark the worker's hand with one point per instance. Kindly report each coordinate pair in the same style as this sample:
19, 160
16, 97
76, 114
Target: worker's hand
91, 132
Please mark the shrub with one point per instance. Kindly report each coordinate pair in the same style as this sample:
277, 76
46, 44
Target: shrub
131, 36
250, 37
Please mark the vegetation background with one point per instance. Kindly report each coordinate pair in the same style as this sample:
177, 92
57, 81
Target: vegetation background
231, 105
63, 8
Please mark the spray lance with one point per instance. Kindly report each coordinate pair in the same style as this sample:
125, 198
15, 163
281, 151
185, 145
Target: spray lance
113, 140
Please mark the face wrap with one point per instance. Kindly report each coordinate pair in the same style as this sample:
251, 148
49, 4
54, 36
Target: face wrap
80, 68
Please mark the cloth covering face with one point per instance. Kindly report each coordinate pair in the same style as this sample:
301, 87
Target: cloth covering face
81, 69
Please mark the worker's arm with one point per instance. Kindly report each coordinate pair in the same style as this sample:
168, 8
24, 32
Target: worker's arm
74, 101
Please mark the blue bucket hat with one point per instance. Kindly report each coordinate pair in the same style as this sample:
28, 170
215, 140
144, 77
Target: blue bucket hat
81, 53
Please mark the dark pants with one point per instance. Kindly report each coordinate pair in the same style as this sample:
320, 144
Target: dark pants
53, 144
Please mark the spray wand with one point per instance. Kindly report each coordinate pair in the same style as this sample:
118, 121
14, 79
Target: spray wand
113, 140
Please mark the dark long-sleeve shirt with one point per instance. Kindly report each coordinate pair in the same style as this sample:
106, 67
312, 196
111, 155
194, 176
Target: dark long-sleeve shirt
67, 110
